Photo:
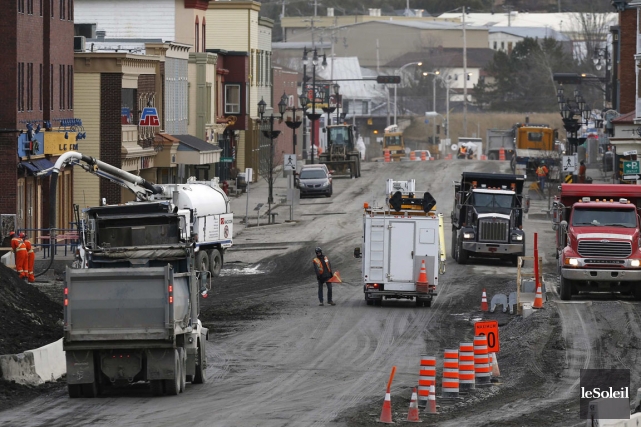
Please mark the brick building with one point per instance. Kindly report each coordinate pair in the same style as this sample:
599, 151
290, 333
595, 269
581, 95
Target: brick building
286, 81
626, 66
36, 80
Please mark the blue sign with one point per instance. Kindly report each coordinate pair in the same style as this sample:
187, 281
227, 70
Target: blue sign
31, 146
149, 117
427, 121
70, 122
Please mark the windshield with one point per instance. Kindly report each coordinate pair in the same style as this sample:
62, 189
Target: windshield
392, 140
484, 200
312, 174
339, 135
605, 216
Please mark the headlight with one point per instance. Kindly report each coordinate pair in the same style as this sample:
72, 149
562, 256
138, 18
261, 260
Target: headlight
301, 185
518, 237
635, 263
325, 184
469, 235
572, 261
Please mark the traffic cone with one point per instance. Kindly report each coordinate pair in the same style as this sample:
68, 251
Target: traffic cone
495, 366
386, 413
431, 401
412, 415
336, 278
484, 306
538, 299
422, 285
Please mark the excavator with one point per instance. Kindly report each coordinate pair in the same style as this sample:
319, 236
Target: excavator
341, 156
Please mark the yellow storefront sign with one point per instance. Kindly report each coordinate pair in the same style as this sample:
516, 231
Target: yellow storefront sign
56, 143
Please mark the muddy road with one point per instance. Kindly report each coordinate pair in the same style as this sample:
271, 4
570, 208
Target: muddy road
278, 359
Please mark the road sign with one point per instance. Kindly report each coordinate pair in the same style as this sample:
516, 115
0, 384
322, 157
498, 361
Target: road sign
226, 159
631, 168
289, 162
630, 153
569, 163
489, 328
631, 177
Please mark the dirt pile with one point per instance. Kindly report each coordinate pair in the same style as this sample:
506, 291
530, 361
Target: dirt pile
28, 317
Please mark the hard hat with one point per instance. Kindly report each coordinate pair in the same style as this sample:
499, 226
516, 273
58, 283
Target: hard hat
11, 233
21, 234
319, 251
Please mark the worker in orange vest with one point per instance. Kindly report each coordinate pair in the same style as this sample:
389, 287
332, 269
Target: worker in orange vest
31, 258
323, 274
22, 259
15, 242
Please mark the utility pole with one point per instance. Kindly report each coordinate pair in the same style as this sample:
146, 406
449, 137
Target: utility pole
464, 78
315, 8
378, 71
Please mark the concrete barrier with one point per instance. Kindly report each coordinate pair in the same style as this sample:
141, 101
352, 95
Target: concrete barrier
34, 367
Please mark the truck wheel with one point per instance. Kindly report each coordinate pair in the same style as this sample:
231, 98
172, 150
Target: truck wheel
427, 303
515, 260
90, 390
462, 256
156, 387
172, 386
75, 390
566, 289
183, 368
199, 376
215, 262
368, 300
492, 156
636, 291
419, 302
202, 260
378, 302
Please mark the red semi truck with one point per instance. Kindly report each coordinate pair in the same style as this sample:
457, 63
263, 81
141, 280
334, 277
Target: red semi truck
597, 239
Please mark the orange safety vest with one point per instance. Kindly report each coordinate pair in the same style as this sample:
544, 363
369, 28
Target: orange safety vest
15, 242
541, 171
463, 150
28, 245
319, 265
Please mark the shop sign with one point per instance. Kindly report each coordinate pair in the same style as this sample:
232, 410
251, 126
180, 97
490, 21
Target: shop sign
31, 146
149, 117
55, 142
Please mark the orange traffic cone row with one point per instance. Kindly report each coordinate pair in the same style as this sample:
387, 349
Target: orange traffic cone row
431, 401
484, 301
538, 299
412, 415
422, 284
386, 413
336, 278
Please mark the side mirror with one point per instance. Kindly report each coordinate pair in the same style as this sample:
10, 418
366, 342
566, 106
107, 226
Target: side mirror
564, 225
357, 252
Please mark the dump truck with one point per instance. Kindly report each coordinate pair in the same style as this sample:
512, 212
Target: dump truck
341, 155
487, 217
597, 239
131, 306
393, 142
398, 239
497, 139
534, 143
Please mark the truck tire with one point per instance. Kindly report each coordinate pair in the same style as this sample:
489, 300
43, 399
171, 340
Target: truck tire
91, 390
565, 289
419, 302
199, 376
202, 260
492, 156
75, 390
156, 387
183, 368
636, 291
461, 256
215, 262
427, 303
172, 386
368, 300
378, 302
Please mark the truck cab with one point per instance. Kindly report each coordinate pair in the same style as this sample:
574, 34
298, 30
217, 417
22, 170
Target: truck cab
597, 239
487, 217
393, 141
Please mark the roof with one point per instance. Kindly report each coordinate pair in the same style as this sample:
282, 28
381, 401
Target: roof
299, 45
349, 68
420, 25
627, 118
191, 143
445, 58
531, 32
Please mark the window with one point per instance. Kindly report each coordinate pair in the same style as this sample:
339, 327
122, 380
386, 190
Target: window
61, 96
365, 107
502, 45
20, 6
51, 6
40, 81
259, 68
209, 120
495, 45
21, 86
232, 99
70, 87
252, 74
62, 9
196, 35
70, 10
41, 2
204, 36
30, 7
30, 87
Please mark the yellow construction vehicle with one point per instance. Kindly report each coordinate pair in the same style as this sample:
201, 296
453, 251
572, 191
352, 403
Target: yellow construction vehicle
393, 141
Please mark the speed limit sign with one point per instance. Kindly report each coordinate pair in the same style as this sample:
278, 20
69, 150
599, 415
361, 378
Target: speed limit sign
489, 328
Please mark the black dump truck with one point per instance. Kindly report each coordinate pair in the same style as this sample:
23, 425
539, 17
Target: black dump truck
487, 217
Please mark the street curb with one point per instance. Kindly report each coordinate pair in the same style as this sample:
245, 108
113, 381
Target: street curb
35, 367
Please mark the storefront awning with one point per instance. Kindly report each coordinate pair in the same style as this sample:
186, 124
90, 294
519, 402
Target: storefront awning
195, 151
35, 166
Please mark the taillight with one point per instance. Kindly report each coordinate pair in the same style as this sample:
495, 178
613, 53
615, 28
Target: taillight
170, 288
66, 295
372, 285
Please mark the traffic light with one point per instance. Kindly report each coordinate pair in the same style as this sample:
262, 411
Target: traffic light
388, 79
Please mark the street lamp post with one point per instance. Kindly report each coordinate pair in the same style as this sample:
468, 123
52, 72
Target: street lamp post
303, 91
436, 75
329, 109
569, 109
337, 89
313, 116
600, 58
271, 134
399, 71
294, 123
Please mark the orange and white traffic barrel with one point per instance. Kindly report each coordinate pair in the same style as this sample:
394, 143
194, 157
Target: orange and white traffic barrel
482, 369
388, 156
426, 377
450, 373
423, 156
466, 366
412, 155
